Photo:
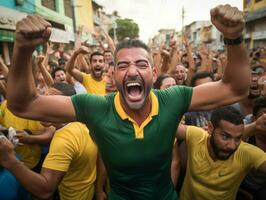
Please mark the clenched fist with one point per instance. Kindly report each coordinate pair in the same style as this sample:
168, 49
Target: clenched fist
228, 20
32, 31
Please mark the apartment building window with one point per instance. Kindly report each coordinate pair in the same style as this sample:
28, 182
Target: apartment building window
68, 9
49, 4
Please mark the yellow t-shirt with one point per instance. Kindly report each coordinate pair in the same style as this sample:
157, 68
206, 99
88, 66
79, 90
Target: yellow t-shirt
219, 180
92, 86
73, 151
29, 153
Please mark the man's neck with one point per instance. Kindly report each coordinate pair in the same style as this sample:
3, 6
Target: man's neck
210, 150
246, 106
138, 115
95, 78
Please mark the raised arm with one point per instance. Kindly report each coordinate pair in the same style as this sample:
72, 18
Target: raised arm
46, 75
235, 82
40, 185
3, 67
22, 96
70, 66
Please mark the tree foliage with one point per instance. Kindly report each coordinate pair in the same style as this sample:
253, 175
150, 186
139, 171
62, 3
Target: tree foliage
125, 28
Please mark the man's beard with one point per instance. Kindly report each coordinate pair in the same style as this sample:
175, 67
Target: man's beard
216, 151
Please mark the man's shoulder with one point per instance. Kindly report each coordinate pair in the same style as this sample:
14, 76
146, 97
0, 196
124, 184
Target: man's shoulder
72, 129
196, 134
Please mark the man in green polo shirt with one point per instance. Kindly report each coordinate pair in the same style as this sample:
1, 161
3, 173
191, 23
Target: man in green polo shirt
135, 128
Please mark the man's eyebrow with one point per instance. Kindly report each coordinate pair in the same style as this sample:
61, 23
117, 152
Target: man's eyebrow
141, 60
228, 134
122, 62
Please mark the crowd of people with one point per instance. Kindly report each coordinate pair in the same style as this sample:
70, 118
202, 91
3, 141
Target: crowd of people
129, 121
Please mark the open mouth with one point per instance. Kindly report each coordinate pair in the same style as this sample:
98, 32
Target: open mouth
134, 91
98, 71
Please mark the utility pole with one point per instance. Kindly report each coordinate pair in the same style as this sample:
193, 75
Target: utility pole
73, 5
183, 16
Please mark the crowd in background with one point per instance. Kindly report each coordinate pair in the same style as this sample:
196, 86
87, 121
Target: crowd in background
81, 68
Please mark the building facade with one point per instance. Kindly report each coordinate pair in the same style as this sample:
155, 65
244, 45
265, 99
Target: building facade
255, 30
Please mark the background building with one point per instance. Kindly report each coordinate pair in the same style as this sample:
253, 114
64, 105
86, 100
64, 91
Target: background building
255, 31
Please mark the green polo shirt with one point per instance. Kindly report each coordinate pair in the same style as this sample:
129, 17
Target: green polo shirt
137, 158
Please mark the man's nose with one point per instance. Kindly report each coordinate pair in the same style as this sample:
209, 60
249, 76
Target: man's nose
132, 70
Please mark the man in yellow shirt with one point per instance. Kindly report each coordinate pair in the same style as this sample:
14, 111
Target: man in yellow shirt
69, 165
94, 82
218, 162
30, 151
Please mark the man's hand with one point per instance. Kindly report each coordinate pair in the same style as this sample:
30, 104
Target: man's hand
32, 31
82, 50
7, 154
23, 137
101, 195
228, 20
261, 123
39, 59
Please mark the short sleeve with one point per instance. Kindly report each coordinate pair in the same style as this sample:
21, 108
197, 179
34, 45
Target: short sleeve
62, 151
194, 135
253, 155
175, 99
89, 108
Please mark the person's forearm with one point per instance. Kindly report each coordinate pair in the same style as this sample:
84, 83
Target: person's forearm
46, 75
21, 86
44, 137
174, 59
2, 89
237, 71
249, 130
33, 182
190, 57
4, 68
70, 66
101, 176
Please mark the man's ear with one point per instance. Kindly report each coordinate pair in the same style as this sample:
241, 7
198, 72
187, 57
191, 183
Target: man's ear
210, 128
154, 74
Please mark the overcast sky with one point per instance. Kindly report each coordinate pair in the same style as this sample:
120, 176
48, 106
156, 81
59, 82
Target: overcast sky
152, 15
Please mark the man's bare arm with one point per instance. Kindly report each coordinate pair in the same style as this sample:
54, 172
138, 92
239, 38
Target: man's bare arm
22, 96
235, 83
40, 185
70, 66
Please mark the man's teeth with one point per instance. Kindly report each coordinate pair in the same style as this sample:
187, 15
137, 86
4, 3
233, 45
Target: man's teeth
133, 84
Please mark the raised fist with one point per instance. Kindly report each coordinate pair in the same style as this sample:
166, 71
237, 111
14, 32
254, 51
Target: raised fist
82, 50
39, 59
32, 31
228, 20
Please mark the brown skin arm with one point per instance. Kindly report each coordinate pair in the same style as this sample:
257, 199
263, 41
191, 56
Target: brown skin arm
175, 165
235, 84
42, 137
3, 67
22, 96
40, 185
101, 179
46, 75
70, 66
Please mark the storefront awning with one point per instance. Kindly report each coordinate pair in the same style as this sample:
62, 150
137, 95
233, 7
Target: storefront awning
9, 18
7, 36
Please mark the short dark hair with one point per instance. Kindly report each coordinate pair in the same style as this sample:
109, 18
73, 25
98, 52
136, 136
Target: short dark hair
64, 88
131, 43
107, 51
95, 53
258, 104
200, 75
227, 113
158, 83
56, 70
